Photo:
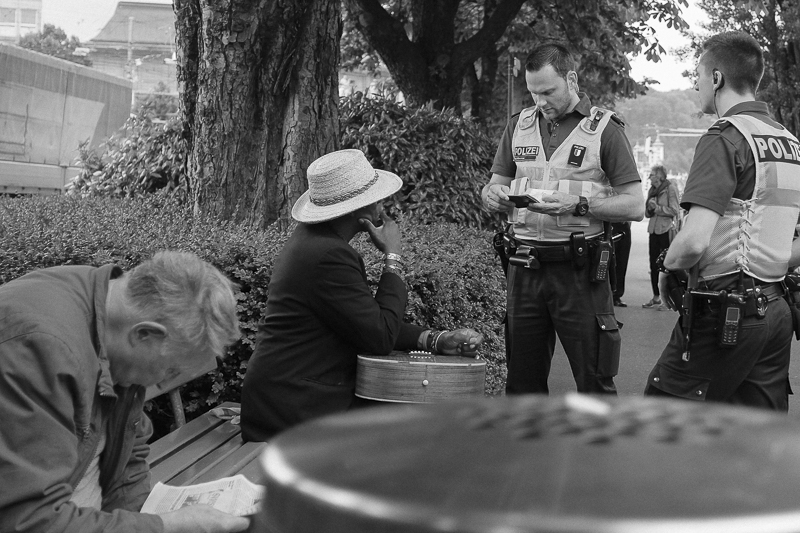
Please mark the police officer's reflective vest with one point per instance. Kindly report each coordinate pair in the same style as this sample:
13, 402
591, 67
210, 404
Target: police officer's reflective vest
573, 168
755, 235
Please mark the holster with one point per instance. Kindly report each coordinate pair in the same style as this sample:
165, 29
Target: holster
792, 284
504, 246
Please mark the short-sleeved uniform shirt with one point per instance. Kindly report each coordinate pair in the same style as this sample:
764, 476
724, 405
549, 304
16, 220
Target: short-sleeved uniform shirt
724, 166
616, 155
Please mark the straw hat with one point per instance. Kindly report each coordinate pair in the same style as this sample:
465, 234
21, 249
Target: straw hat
340, 183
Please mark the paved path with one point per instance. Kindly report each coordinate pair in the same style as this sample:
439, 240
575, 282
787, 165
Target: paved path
645, 332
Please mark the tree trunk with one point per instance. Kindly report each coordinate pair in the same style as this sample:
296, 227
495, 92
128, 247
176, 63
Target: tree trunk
259, 92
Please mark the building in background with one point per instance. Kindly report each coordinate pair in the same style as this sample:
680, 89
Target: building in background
48, 108
652, 153
18, 18
138, 43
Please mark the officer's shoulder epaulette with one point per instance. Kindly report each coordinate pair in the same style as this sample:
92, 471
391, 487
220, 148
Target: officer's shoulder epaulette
616, 118
719, 126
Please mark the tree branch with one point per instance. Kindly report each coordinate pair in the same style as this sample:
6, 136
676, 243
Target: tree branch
470, 50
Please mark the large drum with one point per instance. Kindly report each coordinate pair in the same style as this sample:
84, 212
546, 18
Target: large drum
537, 464
419, 377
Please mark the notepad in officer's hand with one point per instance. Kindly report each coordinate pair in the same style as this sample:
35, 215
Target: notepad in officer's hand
531, 196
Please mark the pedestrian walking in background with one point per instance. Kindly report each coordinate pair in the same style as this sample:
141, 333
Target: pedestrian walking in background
662, 208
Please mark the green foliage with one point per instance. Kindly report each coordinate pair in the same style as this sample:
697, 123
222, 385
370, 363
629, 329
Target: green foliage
453, 278
53, 41
159, 104
144, 157
443, 159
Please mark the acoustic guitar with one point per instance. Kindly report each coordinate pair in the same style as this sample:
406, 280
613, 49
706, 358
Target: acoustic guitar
419, 377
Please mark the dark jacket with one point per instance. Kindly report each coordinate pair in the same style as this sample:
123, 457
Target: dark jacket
55, 383
320, 315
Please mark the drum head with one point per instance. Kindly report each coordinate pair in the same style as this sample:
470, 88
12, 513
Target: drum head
537, 464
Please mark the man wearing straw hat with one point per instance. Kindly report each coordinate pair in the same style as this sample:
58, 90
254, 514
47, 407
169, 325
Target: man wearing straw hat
320, 311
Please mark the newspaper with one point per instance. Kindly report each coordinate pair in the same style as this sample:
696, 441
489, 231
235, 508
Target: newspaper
233, 495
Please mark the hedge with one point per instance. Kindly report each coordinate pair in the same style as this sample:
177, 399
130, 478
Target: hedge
453, 277
443, 158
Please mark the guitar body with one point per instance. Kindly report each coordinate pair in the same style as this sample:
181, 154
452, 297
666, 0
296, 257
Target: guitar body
419, 377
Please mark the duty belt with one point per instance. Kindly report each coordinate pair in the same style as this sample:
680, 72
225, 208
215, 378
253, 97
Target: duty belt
531, 254
754, 301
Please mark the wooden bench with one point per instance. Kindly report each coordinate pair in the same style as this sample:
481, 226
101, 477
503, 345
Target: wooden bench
204, 449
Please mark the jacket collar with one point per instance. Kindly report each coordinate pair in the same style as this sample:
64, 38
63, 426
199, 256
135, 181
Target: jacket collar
102, 276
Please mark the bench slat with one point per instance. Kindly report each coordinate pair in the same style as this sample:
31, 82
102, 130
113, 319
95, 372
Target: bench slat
242, 461
190, 474
174, 442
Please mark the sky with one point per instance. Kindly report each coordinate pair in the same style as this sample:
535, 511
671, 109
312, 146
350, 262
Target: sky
85, 19
669, 70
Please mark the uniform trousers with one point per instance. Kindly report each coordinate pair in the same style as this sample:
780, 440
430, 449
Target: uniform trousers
755, 372
558, 298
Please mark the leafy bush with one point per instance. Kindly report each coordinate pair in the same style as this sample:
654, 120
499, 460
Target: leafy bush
444, 159
453, 279
147, 155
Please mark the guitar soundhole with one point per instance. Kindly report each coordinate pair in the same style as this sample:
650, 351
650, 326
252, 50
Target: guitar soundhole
663, 424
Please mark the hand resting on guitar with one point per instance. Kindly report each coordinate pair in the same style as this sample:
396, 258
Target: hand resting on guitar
462, 341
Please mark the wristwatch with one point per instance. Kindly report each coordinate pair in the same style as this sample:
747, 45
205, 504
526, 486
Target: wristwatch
583, 206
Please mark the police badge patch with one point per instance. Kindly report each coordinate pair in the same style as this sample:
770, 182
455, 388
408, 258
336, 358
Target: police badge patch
526, 153
576, 155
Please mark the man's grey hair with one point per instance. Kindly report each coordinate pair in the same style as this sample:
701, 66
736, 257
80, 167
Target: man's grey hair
189, 296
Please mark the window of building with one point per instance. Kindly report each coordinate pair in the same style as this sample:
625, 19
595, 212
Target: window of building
8, 16
27, 16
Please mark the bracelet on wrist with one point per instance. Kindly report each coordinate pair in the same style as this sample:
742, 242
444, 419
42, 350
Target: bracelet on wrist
422, 342
435, 348
430, 341
394, 269
393, 257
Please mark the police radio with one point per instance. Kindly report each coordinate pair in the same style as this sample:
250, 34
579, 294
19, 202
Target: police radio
602, 258
730, 321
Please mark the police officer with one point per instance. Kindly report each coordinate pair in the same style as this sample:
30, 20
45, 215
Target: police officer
580, 156
743, 198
